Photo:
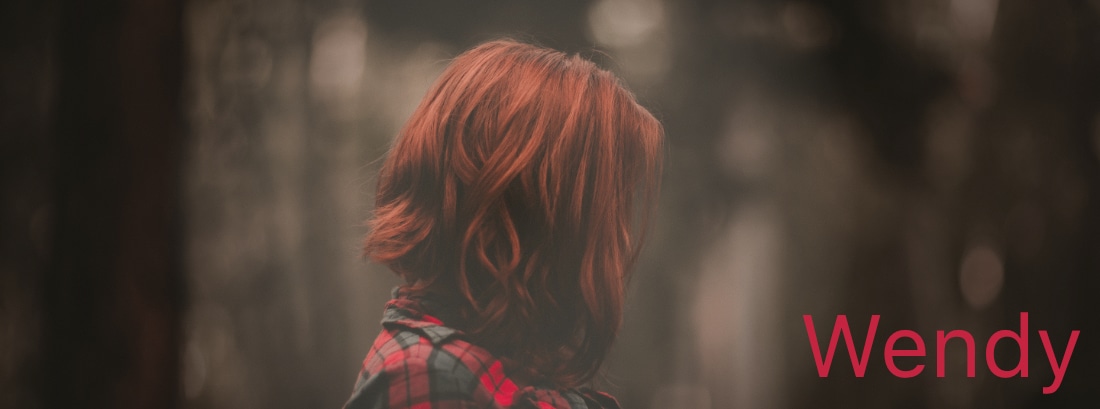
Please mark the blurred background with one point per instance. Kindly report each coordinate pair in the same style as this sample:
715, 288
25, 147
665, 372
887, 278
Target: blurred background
184, 186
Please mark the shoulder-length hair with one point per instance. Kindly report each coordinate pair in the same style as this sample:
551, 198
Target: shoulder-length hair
511, 187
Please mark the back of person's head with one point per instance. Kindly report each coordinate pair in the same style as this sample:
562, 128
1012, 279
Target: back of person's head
512, 188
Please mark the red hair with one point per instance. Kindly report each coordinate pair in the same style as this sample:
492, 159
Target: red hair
511, 187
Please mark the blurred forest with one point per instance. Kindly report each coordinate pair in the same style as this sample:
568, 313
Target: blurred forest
184, 185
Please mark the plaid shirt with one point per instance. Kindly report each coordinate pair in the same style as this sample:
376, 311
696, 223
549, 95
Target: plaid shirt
418, 363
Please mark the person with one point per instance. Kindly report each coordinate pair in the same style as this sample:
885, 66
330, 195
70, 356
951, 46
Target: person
512, 203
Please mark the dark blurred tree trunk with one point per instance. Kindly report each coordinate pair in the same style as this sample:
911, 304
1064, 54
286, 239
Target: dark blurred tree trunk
25, 51
112, 298
1047, 57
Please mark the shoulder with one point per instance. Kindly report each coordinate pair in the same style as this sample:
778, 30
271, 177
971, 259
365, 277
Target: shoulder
418, 361
408, 367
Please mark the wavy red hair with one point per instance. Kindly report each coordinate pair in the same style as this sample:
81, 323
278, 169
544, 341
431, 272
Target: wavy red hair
512, 188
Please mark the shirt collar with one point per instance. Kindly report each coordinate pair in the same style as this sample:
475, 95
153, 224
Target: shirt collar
426, 314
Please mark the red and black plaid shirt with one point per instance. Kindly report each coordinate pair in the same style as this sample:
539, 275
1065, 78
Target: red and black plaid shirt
419, 363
